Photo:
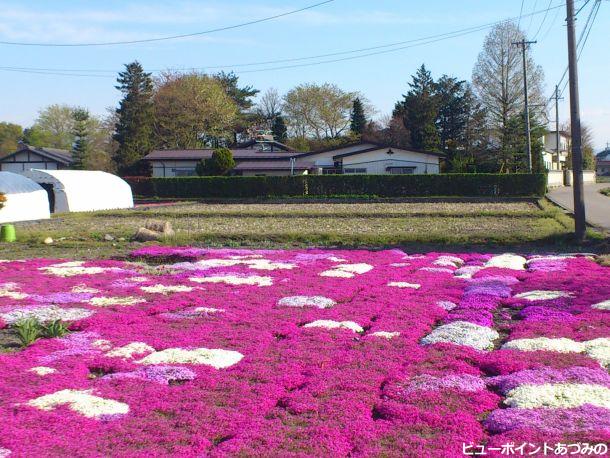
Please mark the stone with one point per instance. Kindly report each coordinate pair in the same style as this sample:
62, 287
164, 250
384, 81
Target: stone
48, 241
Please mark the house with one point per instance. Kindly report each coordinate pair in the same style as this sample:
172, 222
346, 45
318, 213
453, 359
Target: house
555, 158
602, 162
266, 158
29, 157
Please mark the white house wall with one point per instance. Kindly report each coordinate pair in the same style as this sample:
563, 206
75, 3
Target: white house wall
377, 162
25, 160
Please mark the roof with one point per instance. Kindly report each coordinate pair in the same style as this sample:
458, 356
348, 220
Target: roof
58, 155
274, 144
604, 155
367, 146
274, 165
389, 148
198, 154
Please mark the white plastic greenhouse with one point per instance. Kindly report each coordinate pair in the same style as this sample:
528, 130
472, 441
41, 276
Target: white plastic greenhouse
25, 200
83, 190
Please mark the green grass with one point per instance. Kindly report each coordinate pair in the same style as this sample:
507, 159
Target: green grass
605, 191
422, 224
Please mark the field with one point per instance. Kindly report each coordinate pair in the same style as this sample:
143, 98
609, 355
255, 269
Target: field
233, 352
282, 225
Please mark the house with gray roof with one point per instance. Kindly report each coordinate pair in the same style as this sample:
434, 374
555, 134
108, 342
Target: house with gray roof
30, 157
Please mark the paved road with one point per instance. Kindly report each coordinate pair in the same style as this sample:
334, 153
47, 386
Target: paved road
597, 206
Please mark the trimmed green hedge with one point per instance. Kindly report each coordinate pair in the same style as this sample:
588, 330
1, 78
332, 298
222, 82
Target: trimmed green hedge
466, 185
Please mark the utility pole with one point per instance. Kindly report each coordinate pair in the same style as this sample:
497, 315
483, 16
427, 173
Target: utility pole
528, 139
557, 99
577, 181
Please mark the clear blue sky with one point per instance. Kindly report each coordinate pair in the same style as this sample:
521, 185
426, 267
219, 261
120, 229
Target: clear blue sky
338, 26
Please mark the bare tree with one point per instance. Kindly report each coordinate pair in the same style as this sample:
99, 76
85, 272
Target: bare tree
498, 80
269, 106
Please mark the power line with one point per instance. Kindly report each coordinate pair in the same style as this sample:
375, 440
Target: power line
543, 19
551, 25
532, 18
172, 37
376, 50
520, 14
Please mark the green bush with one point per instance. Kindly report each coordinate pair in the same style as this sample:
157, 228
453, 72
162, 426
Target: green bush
466, 185
28, 331
219, 164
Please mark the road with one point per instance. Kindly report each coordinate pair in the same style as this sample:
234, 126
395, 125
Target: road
597, 206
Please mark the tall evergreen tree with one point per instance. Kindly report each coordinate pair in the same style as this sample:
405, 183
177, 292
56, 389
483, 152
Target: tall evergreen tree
418, 111
134, 128
82, 144
279, 129
358, 120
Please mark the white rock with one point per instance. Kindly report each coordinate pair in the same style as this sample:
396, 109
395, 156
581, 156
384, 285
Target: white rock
127, 351
558, 395
507, 261
81, 401
320, 302
235, 280
403, 284
331, 324
463, 333
48, 241
216, 358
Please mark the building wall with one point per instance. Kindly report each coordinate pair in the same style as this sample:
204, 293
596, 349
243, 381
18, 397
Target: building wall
378, 162
550, 142
169, 169
603, 167
24, 160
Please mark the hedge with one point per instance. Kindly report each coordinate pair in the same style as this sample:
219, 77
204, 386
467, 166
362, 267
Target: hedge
463, 185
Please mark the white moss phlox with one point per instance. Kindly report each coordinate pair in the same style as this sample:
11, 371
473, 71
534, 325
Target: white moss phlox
558, 395
332, 324
127, 351
42, 370
320, 302
448, 261
463, 333
598, 349
403, 284
84, 289
71, 269
447, 305
604, 305
467, 271
253, 280
216, 358
540, 295
4, 452
385, 334
10, 290
347, 270
81, 401
208, 310
250, 262
45, 314
108, 301
101, 344
166, 289
400, 264
507, 261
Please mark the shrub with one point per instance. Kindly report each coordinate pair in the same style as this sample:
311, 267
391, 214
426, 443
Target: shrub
55, 328
219, 164
466, 185
2, 200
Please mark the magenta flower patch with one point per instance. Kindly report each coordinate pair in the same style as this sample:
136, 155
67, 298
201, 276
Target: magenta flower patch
202, 352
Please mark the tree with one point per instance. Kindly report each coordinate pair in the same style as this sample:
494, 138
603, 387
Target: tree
54, 127
269, 106
498, 82
81, 146
10, 135
220, 163
357, 118
318, 111
418, 111
242, 96
279, 130
588, 150
192, 110
134, 120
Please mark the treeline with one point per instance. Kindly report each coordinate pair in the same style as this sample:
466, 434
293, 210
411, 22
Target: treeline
478, 125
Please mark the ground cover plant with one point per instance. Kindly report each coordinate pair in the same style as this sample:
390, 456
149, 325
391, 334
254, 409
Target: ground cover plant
203, 352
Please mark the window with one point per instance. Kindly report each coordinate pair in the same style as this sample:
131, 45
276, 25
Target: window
354, 170
184, 172
401, 170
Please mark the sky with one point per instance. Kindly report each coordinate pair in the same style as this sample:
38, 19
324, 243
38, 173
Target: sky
337, 26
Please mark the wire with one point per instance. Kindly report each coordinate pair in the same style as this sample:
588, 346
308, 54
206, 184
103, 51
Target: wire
172, 37
396, 46
543, 19
551, 25
520, 14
